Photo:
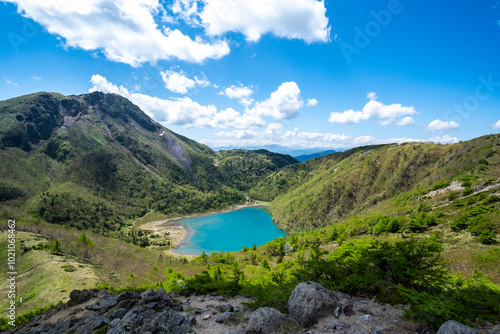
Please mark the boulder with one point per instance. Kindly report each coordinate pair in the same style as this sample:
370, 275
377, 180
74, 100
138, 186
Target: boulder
267, 320
83, 296
454, 327
309, 302
223, 317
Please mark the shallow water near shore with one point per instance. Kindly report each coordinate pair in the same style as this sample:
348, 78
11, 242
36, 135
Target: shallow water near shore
229, 231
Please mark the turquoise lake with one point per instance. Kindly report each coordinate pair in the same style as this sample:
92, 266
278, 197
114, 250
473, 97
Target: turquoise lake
229, 231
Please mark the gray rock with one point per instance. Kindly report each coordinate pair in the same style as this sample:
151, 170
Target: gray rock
61, 327
150, 296
119, 313
309, 302
167, 320
267, 320
84, 296
161, 291
337, 311
348, 309
108, 303
74, 295
223, 317
127, 295
337, 325
102, 305
89, 325
126, 303
127, 324
184, 330
206, 317
225, 308
454, 327
113, 323
189, 321
367, 317
197, 310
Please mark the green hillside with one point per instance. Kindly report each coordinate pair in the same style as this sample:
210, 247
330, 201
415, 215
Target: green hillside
243, 168
95, 160
330, 189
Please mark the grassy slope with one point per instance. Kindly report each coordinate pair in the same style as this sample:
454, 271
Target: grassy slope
337, 187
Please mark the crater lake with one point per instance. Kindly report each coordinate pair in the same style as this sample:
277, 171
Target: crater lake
228, 231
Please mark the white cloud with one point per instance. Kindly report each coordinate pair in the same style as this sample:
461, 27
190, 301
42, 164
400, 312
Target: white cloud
124, 30
179, 111
203, 82
284, 103
274, 134
405, 121
177, 82
438, 125
446, 139
293, 19
36, 78
372, 109
237, 92
9, 82
347, 117
311, 102
496, 125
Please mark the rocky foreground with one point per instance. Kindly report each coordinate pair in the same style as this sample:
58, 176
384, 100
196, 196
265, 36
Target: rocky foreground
312, 310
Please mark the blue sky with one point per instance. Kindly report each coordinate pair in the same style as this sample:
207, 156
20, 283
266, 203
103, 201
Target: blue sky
298, 73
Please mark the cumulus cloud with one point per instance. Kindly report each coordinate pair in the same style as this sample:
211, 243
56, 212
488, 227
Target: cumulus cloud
311, 102
446, 139
237, 92
178, 82
405, 121
496, 125
372, 109
284, 103
293, 19
438, 125
179, 111
124, 30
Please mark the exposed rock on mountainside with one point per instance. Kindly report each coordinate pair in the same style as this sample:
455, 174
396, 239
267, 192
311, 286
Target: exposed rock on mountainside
158, 312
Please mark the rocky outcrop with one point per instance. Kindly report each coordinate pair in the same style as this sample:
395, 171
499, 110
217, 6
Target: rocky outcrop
309, 302
156, 311
454, 327
267, 320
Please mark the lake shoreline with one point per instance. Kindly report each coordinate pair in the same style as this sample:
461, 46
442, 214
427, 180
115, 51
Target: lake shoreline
179, 234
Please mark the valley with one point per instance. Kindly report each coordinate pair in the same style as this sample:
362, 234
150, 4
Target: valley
96, 187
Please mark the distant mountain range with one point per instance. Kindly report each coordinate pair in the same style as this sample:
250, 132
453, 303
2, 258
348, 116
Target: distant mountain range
303, 153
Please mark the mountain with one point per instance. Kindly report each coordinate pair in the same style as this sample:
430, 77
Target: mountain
244, 168
94, 160
294, 152
329, 189
305, 157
